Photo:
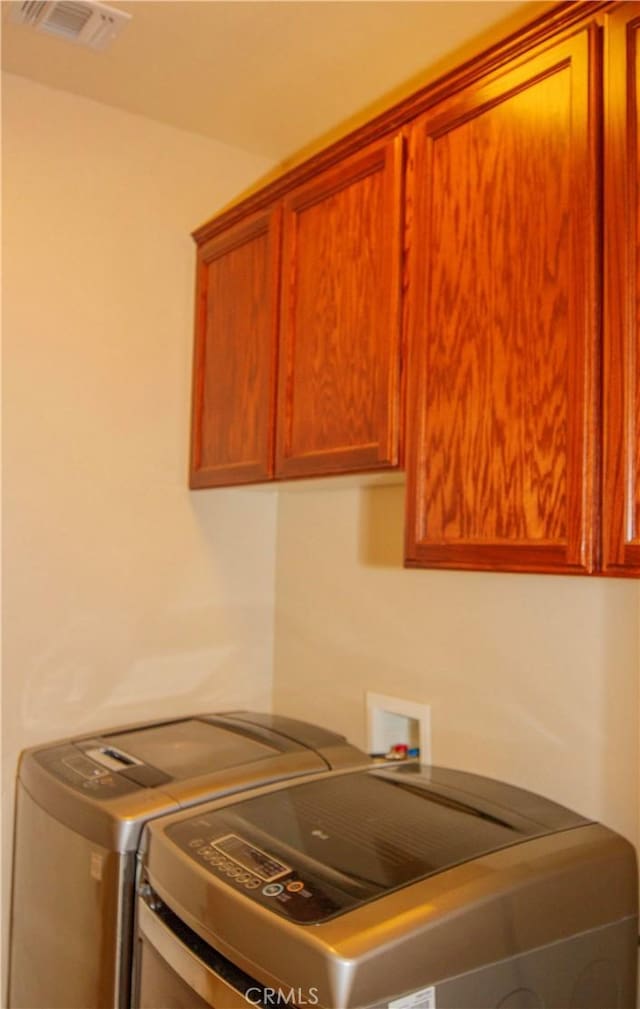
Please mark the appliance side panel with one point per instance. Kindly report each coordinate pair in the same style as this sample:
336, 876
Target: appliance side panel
66, 906
586, 971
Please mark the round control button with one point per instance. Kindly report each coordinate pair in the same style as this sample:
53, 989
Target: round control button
242, 877
295, 886
234, 871
197, 842
217, 859
272, 889
208, 856
251, 884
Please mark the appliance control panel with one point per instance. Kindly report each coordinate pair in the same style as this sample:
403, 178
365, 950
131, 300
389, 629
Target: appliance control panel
295, 892
77, 765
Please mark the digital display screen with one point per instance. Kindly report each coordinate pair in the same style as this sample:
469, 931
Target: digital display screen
251, 858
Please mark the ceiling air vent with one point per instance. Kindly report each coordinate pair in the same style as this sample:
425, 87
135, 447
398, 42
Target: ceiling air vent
83, 21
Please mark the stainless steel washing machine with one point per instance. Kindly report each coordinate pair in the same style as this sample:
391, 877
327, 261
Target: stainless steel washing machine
411, 888
80, 809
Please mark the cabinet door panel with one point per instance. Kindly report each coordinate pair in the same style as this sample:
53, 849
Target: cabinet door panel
338, 391
235, 354
621, 495
502, 318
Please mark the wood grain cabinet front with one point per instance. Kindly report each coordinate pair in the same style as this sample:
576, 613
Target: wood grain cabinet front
621, 450
503, 329
335, 330
234, 374
339, 368
491, 269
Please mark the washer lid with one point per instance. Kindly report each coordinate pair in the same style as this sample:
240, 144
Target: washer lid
316, 849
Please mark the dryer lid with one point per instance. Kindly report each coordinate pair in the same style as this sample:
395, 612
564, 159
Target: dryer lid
188, 748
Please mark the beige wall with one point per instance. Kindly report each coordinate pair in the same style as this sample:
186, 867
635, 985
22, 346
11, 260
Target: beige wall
125, 596
532, 679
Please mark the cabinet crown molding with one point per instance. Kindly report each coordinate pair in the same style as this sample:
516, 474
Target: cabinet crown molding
561, 17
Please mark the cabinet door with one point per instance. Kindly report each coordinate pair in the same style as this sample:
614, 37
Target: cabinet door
338, 383
503, 373
235, 354
621, 496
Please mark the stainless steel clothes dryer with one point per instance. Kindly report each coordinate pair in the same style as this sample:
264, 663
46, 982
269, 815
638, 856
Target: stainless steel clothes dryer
80, 809
411, 888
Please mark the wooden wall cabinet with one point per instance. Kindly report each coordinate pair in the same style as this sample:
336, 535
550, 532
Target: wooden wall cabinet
325, 305
621, 449
235, 353
340, 323
503, 327
477, 245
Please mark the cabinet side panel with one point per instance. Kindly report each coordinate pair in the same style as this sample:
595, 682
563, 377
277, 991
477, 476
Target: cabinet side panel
503, 342
621, 495
234, 384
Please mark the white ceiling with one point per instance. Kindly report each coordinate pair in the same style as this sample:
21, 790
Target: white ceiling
268, 76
